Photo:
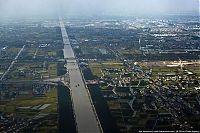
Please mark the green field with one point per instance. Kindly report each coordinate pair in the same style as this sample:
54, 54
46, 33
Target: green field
52, 70
32, 71
96, 68
130, 51
49, 120
49, 98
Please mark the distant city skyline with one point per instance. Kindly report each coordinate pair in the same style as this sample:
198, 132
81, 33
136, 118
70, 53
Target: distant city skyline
10, 8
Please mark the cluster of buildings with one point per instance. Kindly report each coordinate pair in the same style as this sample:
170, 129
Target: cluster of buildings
14, 90
10, 123
171, 97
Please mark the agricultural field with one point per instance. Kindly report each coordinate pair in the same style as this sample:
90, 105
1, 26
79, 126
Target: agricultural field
24, 106
33, 71
42, 107
130, 51
97, 68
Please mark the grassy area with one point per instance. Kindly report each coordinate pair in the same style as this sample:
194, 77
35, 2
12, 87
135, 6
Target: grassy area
113, 104
41, 52
162, 70
13, 50
48, 123
49, 98
52, 96
31, 71
52, 53
90, 50
23, 71
96, 68
30, 51
130, 51
48, 129
52, 70
195, 69
112, 64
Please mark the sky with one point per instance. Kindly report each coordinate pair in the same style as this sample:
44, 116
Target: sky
13, 8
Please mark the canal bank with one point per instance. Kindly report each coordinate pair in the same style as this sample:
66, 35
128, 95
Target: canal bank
66, 116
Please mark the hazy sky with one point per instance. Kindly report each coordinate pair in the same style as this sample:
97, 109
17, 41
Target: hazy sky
12, 8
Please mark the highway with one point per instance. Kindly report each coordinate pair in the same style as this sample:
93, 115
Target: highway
84, 111
12, 63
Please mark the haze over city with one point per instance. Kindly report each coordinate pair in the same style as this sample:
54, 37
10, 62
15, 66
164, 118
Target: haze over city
13, 8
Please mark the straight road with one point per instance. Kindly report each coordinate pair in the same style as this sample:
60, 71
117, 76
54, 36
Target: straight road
85, 114
12, 63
